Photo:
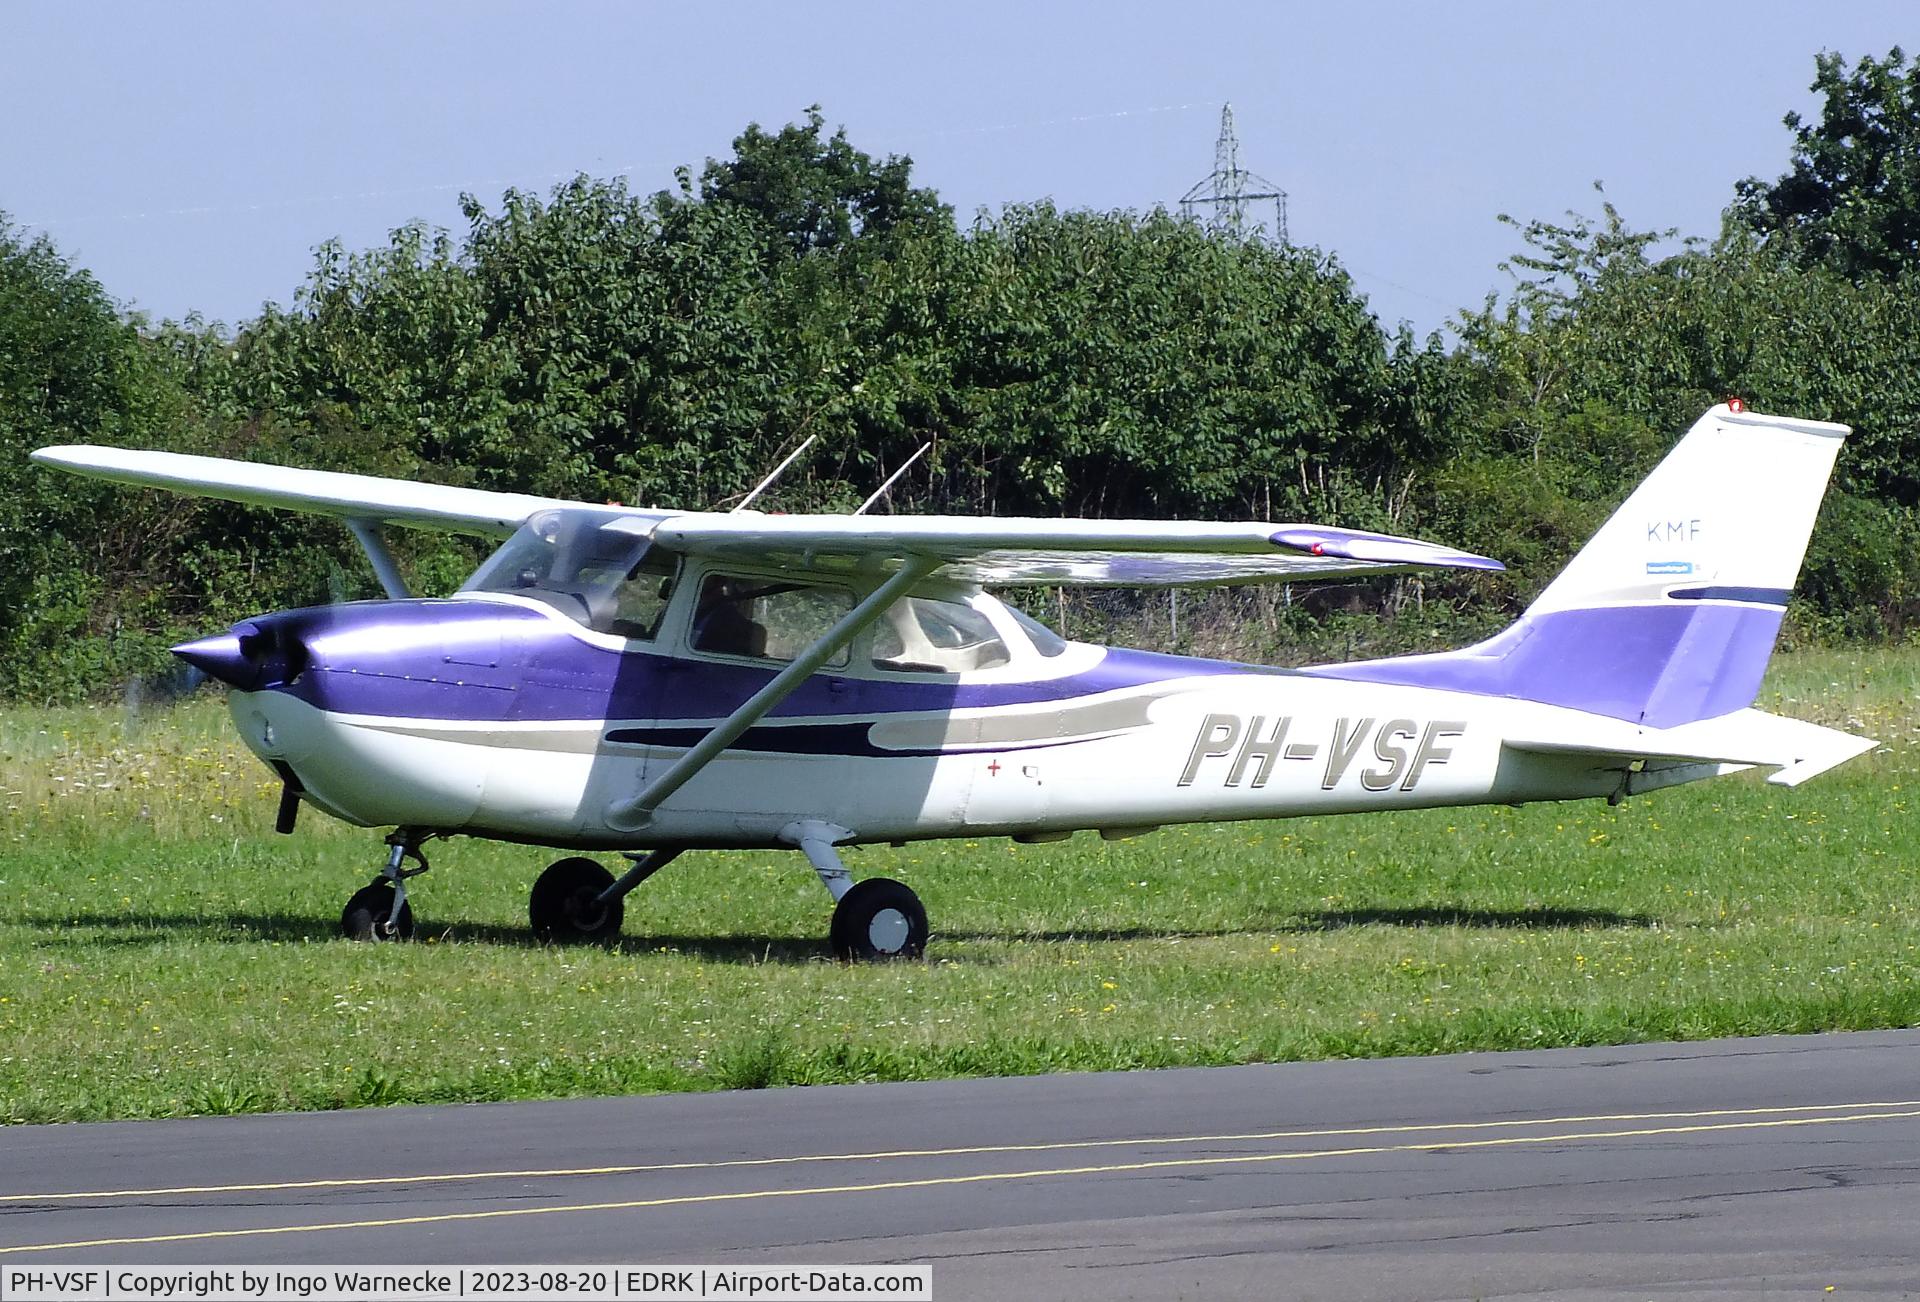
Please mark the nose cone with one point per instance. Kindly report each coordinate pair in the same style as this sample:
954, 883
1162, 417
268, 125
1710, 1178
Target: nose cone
220, 657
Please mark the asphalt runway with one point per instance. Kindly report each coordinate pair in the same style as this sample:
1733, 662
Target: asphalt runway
1735, 1168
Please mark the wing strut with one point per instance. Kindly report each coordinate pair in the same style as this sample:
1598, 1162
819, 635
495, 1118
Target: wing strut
374, 544
633, 814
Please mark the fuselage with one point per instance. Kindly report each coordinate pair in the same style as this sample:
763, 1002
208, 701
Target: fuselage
500, 716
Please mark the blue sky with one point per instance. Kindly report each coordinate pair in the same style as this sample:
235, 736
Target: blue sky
191, 155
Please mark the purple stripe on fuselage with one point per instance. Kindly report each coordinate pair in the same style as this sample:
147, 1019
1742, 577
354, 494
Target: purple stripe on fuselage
1660, 665
486, 661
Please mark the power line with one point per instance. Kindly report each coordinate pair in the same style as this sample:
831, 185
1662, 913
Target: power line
305, 201
1066, 121
447, 187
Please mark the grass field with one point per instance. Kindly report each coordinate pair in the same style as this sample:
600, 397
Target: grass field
162, 952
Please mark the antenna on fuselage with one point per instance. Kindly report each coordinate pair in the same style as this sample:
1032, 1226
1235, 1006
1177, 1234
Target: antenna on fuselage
778, 470
893, 479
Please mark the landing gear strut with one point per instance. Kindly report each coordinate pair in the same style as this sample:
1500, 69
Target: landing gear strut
380, 911
576, 900
876, 919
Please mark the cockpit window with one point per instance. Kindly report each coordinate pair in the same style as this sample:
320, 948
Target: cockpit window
768, 619
600, 570
640, 600
922, 635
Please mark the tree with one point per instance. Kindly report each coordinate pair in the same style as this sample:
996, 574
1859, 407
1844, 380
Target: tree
84, 596
813, 194
1851, 200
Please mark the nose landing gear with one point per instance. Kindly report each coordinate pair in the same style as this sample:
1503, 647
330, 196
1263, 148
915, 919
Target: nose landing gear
380, 911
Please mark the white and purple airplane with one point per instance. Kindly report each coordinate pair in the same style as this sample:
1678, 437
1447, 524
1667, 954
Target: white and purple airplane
651, 681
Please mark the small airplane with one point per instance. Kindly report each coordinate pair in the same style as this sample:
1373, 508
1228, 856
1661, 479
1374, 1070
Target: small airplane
651, 681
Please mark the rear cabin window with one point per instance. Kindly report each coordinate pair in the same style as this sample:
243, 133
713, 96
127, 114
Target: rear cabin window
1047, 642
766, 619
922, 635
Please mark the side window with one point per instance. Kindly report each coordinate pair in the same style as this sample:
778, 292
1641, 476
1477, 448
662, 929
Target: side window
919, 635
1047, 642
640, 600
769, 619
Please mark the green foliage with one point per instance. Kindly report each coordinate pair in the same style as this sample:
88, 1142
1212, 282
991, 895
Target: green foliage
1862, 574
72, 559
1851, 200
809, 194
1111, 364
669, 348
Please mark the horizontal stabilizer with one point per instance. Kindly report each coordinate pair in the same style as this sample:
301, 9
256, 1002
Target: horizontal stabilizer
1797, 750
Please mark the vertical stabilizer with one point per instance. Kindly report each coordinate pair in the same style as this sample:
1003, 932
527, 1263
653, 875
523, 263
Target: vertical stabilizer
1728, 511
1670, 612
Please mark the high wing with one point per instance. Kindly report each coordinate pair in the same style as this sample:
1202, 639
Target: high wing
1011, 551
326, 492
992, 552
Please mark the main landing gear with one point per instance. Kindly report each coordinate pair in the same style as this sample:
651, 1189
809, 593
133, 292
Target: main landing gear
876, 919
576, 900
879, 919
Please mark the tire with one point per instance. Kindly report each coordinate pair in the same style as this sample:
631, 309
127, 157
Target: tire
561, 906
367, 913
879, 919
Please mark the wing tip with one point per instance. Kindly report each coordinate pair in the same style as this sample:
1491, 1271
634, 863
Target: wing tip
1382, 548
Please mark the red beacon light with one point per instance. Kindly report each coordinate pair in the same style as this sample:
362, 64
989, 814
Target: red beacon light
1736, 405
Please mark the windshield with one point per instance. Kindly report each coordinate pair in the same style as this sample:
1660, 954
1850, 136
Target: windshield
600, 570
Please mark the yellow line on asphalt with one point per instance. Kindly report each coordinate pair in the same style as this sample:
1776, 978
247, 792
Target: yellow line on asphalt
1167, 1164
450, 1177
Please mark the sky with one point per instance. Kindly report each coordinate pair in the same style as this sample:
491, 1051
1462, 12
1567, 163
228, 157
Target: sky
192, 155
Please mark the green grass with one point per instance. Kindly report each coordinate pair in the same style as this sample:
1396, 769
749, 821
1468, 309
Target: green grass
162, 952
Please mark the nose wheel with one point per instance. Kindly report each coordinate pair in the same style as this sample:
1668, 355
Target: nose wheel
370, 914
380, 911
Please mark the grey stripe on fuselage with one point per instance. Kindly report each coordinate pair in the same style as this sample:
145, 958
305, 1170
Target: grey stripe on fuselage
935, 732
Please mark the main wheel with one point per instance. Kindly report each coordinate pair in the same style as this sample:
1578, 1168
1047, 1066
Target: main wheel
879, 919
368, 915
562, 906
